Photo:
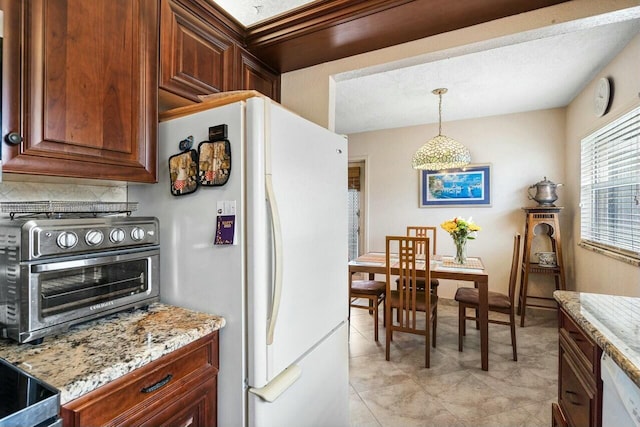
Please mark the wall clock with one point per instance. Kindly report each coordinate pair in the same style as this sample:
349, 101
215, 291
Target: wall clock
602, 96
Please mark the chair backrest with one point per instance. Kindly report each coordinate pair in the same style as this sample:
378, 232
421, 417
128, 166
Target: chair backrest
424, 231
515, 263
402, 252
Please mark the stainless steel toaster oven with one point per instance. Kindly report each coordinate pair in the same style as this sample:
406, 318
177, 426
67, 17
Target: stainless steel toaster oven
56, 272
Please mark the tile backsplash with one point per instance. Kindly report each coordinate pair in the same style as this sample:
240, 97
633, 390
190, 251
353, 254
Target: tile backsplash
32, 189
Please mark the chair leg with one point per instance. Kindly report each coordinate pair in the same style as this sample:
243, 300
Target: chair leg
513, 335
388, 330
384, 312
427, 339
464, 320
434, 326
375, 320
461, 320
427, 353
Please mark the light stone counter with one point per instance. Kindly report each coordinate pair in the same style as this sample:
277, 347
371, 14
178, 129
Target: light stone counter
613, 322
97, 352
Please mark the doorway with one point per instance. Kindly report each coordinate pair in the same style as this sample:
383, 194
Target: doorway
356, 208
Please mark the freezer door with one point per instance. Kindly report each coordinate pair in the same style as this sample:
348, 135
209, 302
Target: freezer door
297, 237
319, 397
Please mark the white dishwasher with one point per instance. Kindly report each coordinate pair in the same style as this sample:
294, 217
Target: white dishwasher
620, 396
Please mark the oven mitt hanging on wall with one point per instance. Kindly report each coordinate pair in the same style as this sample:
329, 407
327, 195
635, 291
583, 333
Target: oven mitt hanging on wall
183, 171
214, 163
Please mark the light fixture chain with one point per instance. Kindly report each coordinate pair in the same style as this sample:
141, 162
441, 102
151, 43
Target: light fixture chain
440, 115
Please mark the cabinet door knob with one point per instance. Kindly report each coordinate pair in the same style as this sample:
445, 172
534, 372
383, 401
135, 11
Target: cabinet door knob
13, 138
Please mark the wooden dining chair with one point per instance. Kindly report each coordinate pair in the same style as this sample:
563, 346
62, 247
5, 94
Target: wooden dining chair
374, 292
408, 300
498, 302
431, 233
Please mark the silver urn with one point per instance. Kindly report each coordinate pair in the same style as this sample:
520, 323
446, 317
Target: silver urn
545, 192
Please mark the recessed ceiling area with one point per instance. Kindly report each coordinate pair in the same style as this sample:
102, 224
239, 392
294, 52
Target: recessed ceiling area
249, 12
500, 77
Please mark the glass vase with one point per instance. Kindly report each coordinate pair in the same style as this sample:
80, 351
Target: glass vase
461, 251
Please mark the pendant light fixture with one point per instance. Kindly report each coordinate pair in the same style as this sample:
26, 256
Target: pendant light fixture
441, 152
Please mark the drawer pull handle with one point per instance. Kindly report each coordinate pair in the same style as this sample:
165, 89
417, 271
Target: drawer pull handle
163, 382
572, 400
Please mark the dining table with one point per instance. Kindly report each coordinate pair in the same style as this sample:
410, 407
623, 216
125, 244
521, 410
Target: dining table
440, 267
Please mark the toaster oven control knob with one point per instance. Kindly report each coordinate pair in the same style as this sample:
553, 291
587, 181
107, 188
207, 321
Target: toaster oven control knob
137, 234
117, 235
67, 239
94, 237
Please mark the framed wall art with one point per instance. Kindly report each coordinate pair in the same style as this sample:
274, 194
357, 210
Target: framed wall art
468, 186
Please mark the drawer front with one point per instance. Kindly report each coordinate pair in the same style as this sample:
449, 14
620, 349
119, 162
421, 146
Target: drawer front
197, 408
576, 401
576, 335
145, 385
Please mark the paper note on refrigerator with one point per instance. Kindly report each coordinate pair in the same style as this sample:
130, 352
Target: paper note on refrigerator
225, 223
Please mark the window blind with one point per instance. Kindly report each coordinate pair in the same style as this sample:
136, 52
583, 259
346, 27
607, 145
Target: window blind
610, 186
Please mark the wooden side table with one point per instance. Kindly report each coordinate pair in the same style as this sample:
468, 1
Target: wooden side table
549, 217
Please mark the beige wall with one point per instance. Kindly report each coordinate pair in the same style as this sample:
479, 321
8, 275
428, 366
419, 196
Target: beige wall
595, 272
522, 149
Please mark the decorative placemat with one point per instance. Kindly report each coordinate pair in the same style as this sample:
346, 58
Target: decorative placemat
474, 263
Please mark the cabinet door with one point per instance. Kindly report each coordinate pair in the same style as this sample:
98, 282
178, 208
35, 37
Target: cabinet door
10, 66
253, 75
197, 408
89, 100
195, 58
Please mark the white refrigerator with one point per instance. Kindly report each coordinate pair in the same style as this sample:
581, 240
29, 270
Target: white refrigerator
282, 284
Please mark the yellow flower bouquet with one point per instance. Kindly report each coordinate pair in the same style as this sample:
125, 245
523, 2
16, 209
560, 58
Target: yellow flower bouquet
461, 230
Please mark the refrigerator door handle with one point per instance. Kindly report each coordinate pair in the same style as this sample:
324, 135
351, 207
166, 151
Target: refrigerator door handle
277, 253
279, 384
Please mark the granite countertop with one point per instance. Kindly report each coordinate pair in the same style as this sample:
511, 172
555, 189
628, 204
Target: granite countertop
92, 354
612, 321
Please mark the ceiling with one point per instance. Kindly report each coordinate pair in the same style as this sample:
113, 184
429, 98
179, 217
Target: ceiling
249, 12
482, 80
536, 70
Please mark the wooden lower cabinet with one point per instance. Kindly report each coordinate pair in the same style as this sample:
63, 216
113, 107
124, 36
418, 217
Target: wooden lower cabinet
179, 389
557, 417
579, 383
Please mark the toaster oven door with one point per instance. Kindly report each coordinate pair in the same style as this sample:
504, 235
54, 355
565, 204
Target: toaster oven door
65, 291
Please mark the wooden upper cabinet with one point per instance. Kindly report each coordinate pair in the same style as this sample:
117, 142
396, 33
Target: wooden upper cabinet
89, 99
10, 66
195, 57
252, 74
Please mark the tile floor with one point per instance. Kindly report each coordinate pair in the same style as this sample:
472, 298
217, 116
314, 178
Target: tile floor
455, 391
